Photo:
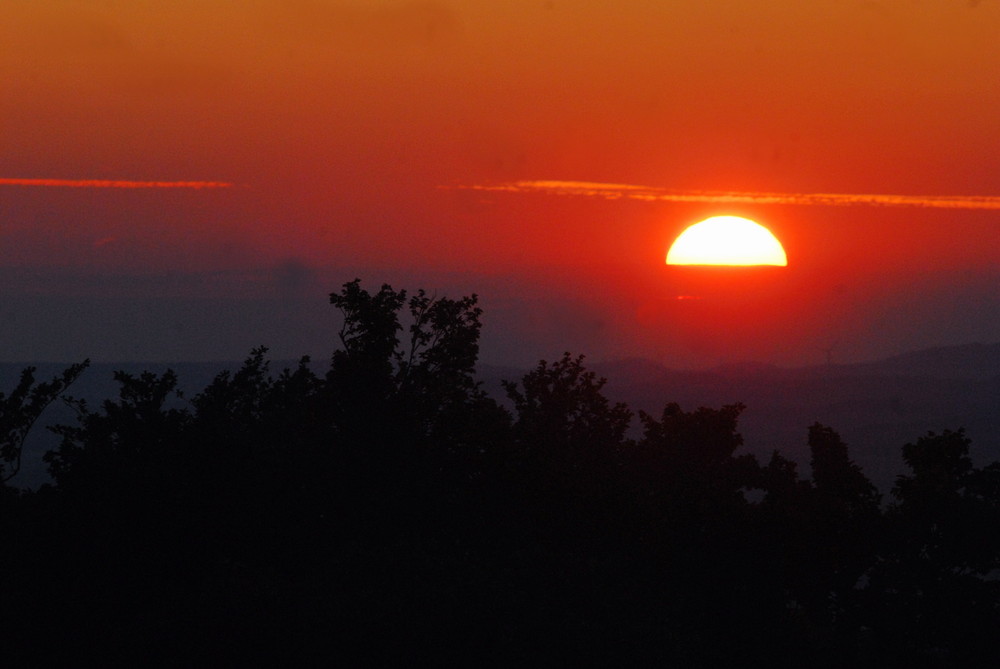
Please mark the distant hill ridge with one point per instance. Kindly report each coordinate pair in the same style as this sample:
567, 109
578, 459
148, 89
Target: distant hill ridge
971, 361
975, 360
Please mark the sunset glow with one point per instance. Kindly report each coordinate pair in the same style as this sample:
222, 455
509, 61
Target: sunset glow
542, 154
726, 240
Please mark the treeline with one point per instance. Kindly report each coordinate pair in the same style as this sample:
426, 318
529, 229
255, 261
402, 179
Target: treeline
387, 510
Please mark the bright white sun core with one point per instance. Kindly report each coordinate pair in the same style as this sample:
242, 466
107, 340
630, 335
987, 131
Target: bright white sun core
727, 240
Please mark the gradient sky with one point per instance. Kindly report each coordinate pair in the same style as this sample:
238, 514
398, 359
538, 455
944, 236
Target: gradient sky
351, 132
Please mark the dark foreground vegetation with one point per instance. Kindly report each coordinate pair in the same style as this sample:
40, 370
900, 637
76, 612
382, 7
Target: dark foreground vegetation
388, 511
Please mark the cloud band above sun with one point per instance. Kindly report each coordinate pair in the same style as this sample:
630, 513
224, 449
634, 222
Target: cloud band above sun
101, 183
652, 194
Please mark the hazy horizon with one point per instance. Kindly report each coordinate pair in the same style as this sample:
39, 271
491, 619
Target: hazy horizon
291, 315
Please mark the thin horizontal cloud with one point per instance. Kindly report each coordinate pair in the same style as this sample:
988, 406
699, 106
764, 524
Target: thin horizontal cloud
101, 183
648, 193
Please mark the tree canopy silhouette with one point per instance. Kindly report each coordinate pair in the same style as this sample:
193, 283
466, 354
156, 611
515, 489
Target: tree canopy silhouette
388, 508
20, 410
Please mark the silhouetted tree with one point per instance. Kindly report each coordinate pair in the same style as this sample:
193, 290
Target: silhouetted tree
701, 440
425, 388
941, 506
361, 375
692, 456
29, 524
125, 441
934, 596
718, 580
780, 482
560, 407
567, 435
251, 415
829, 529
21, 409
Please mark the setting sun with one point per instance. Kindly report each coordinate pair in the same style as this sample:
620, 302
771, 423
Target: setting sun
727, 240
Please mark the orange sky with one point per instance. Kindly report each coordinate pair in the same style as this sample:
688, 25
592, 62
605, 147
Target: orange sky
339, 122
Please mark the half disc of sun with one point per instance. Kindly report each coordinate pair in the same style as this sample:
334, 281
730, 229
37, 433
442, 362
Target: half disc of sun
727, 240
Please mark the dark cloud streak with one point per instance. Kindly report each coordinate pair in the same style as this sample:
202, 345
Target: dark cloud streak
106, 183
